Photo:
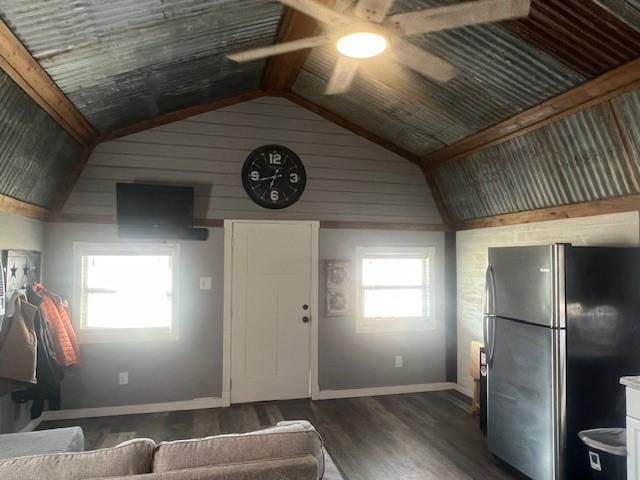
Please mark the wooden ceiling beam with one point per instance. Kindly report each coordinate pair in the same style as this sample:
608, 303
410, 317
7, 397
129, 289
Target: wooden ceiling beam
23, 69
601, 89
630, 203
281, 72
386, 144
343, 122
18, 207
180, 115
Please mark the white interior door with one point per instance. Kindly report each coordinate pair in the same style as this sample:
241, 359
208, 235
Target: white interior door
272, 267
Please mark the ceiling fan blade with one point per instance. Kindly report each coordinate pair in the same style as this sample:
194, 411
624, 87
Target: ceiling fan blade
421, 61
279, 49
373, 10
461, 15
342, 76
317, 10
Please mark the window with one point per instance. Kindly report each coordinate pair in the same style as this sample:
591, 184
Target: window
126, 292
394, 289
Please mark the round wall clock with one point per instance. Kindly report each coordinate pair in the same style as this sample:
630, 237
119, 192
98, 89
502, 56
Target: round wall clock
274, 177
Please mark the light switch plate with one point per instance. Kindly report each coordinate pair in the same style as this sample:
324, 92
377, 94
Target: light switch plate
123, 378
205, 283
399, 361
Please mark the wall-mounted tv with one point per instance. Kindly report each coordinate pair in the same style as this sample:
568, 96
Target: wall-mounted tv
156, 211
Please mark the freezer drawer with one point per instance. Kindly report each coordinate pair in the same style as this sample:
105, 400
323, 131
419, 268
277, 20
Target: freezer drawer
526, 283
525, 413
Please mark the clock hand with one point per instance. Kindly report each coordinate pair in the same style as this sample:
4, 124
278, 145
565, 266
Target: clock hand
273, 180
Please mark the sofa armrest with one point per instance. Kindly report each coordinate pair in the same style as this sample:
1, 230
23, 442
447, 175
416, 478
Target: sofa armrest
59, 440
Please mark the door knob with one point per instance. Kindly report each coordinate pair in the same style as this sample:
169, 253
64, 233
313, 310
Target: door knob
306, 319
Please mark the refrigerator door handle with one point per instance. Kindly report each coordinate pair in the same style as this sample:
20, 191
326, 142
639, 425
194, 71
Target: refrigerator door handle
491, 315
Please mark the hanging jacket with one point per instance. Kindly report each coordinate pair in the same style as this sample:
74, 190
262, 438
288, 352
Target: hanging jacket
58, 318
18, 352
48, 372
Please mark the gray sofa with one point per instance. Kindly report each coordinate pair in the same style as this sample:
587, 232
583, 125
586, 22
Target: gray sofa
289, 451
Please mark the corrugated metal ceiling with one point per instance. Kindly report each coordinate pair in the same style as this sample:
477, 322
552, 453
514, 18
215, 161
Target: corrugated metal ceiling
499, 75
626, 10
36, 154
578, 159
583, 35
123, 61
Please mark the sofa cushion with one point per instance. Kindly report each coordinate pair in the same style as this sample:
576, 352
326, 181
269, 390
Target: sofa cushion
304, 467
130, 458
58, 440
283, 441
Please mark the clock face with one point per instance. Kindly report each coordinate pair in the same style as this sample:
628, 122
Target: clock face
274, 177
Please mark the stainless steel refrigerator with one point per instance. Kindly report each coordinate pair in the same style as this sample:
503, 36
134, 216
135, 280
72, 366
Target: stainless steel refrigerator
560, 327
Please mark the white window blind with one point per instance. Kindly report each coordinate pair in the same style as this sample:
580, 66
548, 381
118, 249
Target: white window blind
126, 293
395, 288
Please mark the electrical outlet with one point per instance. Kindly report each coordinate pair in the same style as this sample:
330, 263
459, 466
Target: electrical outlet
123, 378
399, 361
205, 283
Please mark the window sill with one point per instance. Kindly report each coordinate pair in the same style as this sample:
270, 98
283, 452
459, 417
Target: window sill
395, 326
127, 336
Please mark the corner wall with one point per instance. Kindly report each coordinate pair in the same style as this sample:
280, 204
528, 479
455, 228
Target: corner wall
23, 234
472, 253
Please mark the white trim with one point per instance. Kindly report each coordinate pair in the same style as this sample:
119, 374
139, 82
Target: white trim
376, 391
226, 329
122, 335
195, 404
226, 322
32, 425
425, 322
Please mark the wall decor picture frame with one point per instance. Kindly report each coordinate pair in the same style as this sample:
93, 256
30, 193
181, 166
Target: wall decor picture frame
338, 287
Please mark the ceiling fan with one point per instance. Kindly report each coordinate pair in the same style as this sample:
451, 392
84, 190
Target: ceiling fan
362, 30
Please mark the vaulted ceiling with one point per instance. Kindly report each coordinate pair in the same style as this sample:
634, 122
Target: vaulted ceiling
127, 62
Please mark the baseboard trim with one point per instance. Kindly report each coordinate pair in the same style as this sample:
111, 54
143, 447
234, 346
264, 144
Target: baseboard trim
195, 404
32, 425
376, 391
463, 390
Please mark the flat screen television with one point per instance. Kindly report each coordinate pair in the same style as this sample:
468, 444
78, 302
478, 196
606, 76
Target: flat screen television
155, 211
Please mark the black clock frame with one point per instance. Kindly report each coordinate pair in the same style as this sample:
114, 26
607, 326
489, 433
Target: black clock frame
247, 183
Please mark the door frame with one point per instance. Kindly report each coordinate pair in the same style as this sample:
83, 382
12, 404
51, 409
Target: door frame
313, 307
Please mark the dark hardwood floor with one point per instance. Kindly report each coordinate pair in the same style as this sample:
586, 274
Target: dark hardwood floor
428, 436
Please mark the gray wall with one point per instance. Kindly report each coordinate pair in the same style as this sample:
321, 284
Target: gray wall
187, 368
19, 233
192, 366
359, 360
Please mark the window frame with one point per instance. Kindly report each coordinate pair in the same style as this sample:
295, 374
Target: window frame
395, 324
123, 335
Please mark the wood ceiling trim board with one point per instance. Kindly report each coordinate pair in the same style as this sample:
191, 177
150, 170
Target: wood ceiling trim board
594, 92
437, 196
281, 72
343, 122
23, 69
18, 207
181, 115
629, 203
385, 226
219, 223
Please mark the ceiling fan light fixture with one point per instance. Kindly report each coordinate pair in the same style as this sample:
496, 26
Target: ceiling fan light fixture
362, 45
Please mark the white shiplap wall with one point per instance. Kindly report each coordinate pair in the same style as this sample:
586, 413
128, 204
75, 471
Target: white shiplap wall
472, 255
349, 178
